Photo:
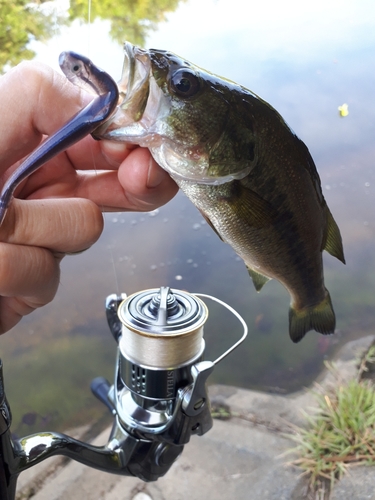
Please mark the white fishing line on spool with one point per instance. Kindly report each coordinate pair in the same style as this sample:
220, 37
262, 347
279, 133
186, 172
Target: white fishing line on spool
162, 329
173, 342
162, 350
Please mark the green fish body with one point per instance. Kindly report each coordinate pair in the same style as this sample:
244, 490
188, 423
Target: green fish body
237, 160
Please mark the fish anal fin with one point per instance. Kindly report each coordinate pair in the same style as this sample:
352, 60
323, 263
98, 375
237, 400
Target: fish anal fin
332, 241
320, 318
258, 279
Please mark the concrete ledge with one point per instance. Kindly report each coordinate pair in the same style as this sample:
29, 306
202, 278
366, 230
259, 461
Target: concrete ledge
241, 458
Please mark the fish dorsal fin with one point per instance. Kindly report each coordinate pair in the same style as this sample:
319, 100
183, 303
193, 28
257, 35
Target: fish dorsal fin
258, 279
332, 242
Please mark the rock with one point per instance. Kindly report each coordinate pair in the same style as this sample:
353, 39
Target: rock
243, 457
234, 460
357, 484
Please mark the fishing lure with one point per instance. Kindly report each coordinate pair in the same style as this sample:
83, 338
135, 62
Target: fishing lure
83, 73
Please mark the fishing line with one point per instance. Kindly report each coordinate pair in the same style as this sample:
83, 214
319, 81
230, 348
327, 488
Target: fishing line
114, 270
88, 27
106, 221
162, 350
117, 287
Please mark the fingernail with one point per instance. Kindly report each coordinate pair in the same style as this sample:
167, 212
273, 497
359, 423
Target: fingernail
114, 152
78, 252
156, 174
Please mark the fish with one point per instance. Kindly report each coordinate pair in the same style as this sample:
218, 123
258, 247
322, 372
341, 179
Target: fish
84, 74
233, 155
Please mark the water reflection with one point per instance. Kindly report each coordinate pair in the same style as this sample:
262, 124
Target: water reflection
130, 20
305, 63
14, 38
22, 22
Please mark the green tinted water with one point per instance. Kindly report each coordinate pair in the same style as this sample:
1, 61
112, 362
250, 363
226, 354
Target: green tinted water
306, 70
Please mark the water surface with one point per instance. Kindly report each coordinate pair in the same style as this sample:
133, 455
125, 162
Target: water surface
305, 60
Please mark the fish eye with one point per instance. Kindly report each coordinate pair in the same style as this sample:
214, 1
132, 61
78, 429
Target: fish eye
184, 83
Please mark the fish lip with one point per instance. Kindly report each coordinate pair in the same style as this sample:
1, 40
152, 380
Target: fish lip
136, 59
134, 91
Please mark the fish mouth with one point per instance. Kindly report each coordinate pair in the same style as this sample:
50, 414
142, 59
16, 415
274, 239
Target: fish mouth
142, 118
141, 102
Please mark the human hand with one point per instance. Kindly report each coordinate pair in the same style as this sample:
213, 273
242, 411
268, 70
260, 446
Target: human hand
58, 208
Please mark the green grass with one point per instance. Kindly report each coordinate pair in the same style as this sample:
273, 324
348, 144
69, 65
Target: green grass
342, 432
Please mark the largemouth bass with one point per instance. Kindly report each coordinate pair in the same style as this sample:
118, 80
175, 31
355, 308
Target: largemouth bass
240, 164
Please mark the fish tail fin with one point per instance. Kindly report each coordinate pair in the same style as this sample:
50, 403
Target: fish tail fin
320, 318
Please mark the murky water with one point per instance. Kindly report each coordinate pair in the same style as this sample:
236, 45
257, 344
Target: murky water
305, 61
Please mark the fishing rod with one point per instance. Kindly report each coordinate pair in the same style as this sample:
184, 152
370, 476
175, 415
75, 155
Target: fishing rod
159, 397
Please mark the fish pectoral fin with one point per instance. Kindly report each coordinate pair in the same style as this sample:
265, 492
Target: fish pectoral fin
332, 241
259, 280
207, 219
252, 208
320, 318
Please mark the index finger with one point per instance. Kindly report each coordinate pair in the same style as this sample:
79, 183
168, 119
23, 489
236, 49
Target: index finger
33, 92
61, 225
